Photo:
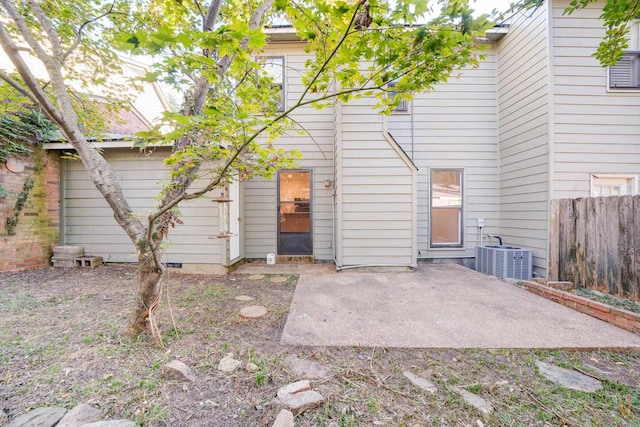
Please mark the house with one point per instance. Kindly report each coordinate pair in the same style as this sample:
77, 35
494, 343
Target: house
39, 179
483, 154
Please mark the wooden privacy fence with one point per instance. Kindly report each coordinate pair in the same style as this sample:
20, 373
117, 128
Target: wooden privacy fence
595, 243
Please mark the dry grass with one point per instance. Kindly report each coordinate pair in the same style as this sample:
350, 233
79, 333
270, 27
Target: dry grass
61, 344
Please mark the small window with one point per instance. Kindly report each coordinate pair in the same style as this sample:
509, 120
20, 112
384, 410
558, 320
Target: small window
446, 208
626, 73
274, 67
613, 185
404, 105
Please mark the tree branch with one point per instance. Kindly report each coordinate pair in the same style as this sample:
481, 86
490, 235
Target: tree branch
36, 93
52, 35
199, 6
14, 84
212, 14
78, 39
24, 31
333, 52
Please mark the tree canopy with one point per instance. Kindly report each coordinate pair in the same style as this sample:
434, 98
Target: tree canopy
214, 53
617, 17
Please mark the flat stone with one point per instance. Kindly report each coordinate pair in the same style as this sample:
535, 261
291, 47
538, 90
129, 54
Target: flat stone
251, 367
290, 389
176, 370
80, 415
112, 423
253, 312
278, 279
228, 363
475, 401
284, 419
420, 382
300, 402
298, 397
567, 378
244, 298
256, 277
306, 369
41, 417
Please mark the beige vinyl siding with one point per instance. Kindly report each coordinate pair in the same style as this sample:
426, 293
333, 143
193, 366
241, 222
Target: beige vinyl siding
376, 192
260, 216
523, 75
88, 220
455, 126
595, 130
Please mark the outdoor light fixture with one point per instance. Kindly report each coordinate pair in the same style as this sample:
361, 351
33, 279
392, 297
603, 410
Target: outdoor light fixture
327, 183
223, 216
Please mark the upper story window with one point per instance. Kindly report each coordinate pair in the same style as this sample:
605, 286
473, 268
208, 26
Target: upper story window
274, 67
613, 185
404, 105
626, 73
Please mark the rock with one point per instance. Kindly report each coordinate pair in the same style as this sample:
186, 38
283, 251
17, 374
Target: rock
112, 423
176, 370
80, 415
293, 388
40, 417
569, 379
300, 402
244, 298
253, 312
475, 401
251, 367
298, 397
284, 419
278, 279
228, 363
306, 369
256, 277
421, 382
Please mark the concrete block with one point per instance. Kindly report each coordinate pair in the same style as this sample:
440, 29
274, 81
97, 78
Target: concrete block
63, 262
72, 251
88, 261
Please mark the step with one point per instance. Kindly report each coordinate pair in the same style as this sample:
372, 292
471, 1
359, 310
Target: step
295, 259
72, 251
63, 262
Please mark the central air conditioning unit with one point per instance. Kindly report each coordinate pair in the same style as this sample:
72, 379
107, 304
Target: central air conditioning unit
505, 262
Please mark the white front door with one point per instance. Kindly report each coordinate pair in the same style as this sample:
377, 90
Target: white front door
234, 221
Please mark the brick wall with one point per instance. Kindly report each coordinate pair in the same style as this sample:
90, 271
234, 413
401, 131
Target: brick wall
37, 229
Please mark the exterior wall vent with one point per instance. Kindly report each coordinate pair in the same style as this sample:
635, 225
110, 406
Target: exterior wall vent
505, 262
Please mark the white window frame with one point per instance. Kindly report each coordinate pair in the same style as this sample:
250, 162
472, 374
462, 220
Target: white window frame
269, 59
632, 181
460, 242
403, 107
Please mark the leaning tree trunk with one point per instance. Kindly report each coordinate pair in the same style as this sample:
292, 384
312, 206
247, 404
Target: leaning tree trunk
150, 279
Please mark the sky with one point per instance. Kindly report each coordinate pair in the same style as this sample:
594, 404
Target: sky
486, 6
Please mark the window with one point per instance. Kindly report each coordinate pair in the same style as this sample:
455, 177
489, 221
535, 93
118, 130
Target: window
613, 185
626, 73
446, 208
404, 105
274, 67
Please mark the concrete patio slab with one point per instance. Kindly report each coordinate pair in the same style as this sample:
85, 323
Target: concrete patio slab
438, 306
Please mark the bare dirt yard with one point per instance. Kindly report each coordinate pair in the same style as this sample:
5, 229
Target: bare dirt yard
61, 344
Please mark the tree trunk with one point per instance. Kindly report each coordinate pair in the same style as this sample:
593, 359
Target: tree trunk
150, 280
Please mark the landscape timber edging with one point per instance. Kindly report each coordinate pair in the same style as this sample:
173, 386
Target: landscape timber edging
621, 318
